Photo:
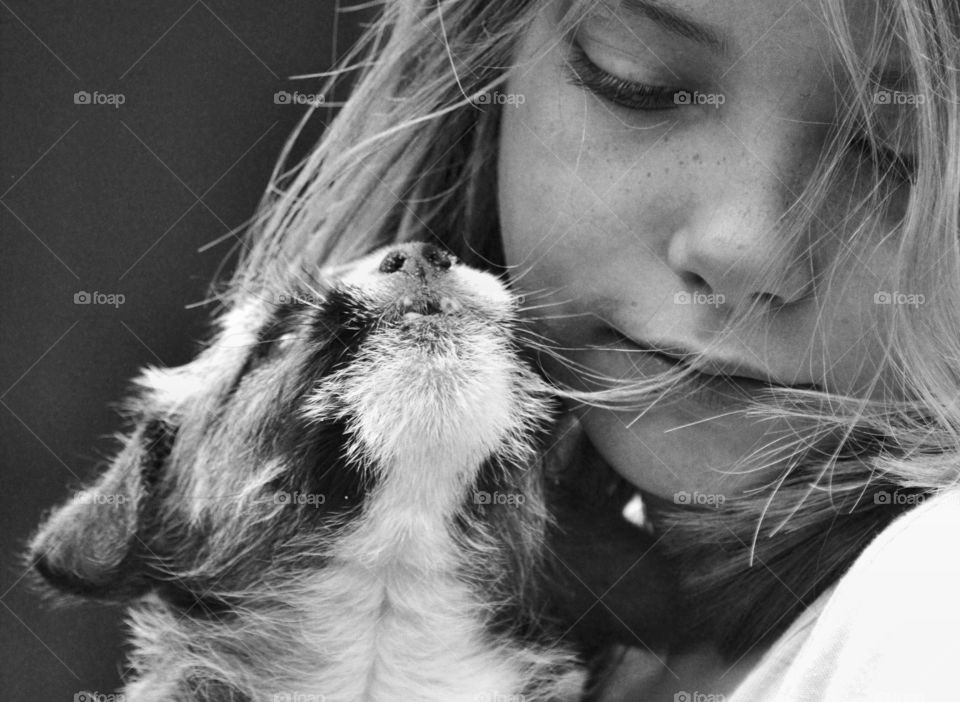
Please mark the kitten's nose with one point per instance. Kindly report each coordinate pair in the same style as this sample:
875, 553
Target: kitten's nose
418, 259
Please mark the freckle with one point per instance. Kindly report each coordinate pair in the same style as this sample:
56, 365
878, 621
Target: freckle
648, 174
696, 158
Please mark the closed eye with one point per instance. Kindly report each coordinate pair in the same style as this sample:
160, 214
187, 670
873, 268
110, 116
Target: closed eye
585, 74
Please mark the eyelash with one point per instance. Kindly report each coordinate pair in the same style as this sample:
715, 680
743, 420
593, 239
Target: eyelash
584, 73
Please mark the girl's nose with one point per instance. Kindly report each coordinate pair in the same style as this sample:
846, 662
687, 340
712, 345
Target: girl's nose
734, 235
738, 250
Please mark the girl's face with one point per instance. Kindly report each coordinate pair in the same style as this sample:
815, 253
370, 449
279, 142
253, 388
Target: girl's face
649, 214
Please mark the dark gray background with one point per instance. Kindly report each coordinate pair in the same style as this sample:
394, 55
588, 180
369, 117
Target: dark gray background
118, 201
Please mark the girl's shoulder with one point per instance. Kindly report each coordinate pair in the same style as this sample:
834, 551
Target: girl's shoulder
887, 630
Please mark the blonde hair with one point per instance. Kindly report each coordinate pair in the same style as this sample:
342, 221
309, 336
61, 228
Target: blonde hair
412, 155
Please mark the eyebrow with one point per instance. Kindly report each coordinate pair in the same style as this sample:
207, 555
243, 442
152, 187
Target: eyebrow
674, 21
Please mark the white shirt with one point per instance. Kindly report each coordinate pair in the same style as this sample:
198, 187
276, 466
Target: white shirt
888, 629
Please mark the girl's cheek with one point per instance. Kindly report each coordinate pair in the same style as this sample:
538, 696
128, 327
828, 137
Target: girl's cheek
562, 198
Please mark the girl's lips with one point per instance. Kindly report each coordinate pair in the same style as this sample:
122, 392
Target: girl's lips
709, 390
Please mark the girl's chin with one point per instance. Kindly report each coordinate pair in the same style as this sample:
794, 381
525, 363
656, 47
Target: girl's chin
666, 455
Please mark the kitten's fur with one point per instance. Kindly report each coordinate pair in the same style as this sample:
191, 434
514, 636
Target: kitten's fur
341, 497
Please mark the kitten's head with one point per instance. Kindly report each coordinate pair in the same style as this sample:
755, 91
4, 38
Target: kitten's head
249, 461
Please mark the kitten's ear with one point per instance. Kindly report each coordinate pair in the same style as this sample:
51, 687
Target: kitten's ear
90, 545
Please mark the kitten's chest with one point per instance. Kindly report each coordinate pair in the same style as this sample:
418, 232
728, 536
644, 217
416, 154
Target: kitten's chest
395, 619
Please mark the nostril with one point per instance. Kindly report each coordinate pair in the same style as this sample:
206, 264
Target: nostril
393, 262
416, 259
436, 257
